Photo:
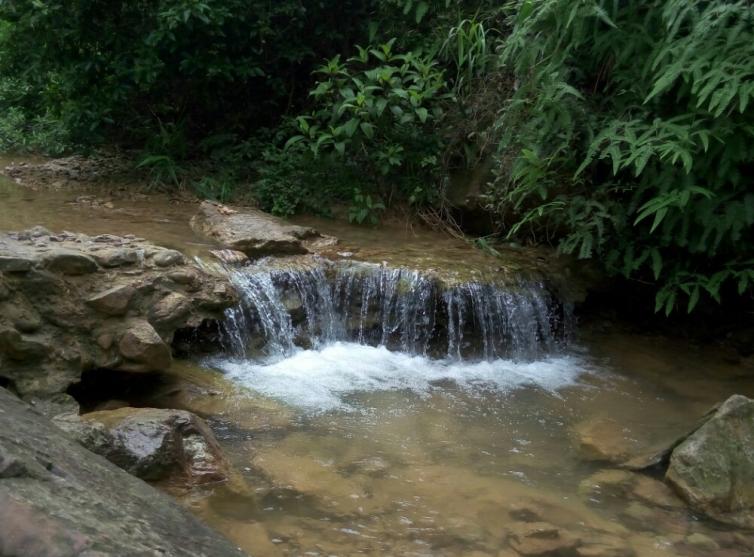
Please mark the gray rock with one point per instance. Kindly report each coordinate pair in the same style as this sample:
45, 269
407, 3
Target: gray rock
59, 499
155, 444
144, 347
168, 258
69, 262
116, 257
16, 263
251, 231
20, 348
113, 301
713, 469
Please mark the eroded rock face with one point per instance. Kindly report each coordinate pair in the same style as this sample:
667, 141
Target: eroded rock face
155, 444
254, 232
713, 469
71, 302
59, 499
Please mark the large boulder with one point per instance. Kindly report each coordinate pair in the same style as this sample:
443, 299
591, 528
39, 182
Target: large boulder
254, 232
713, 468
71, 303
59, 499
155, 444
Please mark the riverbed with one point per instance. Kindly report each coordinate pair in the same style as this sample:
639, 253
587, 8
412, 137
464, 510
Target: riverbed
346, 448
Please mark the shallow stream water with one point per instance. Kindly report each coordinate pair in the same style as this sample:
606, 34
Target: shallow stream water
348, 449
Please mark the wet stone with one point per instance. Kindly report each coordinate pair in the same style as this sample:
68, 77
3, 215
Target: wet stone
540, 539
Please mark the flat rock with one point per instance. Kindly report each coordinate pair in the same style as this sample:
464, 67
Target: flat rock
253, 232
713, 469
59, 499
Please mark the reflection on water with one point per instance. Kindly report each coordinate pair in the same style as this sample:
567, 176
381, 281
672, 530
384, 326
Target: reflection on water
425, 458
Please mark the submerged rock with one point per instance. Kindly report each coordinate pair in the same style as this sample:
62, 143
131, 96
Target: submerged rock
155, 444
254, 232
70, 303
540, 539
713, 469
604, 439
59, 499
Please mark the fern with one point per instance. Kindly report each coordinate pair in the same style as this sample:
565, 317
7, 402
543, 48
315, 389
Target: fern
640, 116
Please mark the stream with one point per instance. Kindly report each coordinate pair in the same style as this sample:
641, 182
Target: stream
364, 418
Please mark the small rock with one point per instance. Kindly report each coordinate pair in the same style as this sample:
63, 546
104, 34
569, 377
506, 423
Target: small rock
603, 439
168, 258
171, 309
16, 263
116, 257
142, 345
540, 539
702, 542
69, 262
20, 348
113, 301
154, 444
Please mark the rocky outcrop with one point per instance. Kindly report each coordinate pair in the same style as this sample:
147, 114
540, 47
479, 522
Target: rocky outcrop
71, 302
254, 232
713, 468
59, 499
153, 444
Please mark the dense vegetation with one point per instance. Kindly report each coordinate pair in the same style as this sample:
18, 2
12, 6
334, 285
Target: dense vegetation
618, 131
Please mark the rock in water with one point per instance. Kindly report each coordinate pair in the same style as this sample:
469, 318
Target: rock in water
713, 469
156, 444
59, 499
254, 232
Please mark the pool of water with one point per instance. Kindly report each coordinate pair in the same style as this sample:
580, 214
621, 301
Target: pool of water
387, 454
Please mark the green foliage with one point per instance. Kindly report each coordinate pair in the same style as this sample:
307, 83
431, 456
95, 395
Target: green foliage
630, 136
108, 71
364, 209
378, 112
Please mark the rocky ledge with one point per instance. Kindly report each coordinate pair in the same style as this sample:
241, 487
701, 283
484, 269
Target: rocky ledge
57, 498
255, 233
71, 303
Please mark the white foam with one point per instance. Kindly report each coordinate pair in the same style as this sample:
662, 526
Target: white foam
317, 380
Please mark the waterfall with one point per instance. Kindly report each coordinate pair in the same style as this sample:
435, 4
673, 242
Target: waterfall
284, 308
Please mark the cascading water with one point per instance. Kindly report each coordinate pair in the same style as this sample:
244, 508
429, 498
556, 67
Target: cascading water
400, 309
315, 333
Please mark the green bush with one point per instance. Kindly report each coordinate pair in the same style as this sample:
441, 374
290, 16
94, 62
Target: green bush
630, 138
